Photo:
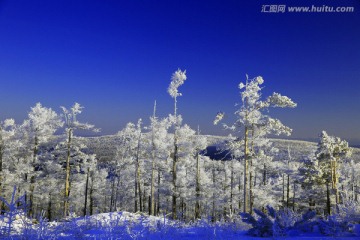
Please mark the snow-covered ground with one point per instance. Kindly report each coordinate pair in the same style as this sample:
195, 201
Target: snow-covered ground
125, 225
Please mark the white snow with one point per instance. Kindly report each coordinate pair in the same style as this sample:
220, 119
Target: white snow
125, 225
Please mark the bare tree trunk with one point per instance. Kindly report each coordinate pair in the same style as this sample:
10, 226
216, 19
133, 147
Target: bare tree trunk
239, 187
288, 179
92, 198
246, 170
137, 178
32, 179
231, 187
294, 196
251, 171
67, 177
136, 194
335, 181
158, 194
1, 171
264, 175
213, 195
283, 190
328, 202
116, 195
175, 159
144, 199
49, 208
113, 194
356, 195
251, 194
174, 174
197, 197
152, 189
86, 192
288, 191
225, 187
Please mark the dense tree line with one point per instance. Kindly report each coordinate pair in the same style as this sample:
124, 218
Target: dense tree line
161, 167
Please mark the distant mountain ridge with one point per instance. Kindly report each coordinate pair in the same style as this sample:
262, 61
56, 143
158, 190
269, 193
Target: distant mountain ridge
105, 147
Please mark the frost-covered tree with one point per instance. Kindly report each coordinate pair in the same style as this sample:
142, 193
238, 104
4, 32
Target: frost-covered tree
19, 160
252, 125
177, 80
42, 123
291, 167
350, 175
72, 124
7, 131
159, 145
127, 168
137, 153
49, 198
188, 170
309, 173
330, 152
216, 197
97, 191
89, 166
200, 144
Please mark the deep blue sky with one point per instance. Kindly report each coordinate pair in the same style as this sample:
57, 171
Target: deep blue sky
117, 57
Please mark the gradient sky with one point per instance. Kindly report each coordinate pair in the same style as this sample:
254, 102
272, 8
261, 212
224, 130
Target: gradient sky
116, 57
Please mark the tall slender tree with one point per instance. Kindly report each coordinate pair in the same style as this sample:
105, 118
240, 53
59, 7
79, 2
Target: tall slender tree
42, 123
253, 125
177, 80
159, 147
330, 152
72, 124
7, 131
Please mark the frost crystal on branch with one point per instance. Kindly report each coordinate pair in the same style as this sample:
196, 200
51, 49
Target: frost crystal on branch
9, 123
277, 100
177, 79
219, 116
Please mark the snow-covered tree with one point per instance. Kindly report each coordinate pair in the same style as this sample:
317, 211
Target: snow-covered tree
72, 124
177, 80
252, 125
200, 143
42, 123
127, 167
159, 146
7, 131
330, 152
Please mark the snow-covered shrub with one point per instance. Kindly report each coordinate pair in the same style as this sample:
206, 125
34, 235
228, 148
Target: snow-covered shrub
138, 230
306, 223
14, 213
42, 229
275, 224
262, 226
334, 227
165, 228
72, 228
348, 211
343, 221
24, 226
112, 224
287, 218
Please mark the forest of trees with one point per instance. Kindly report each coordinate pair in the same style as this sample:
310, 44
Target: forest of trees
161, 167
